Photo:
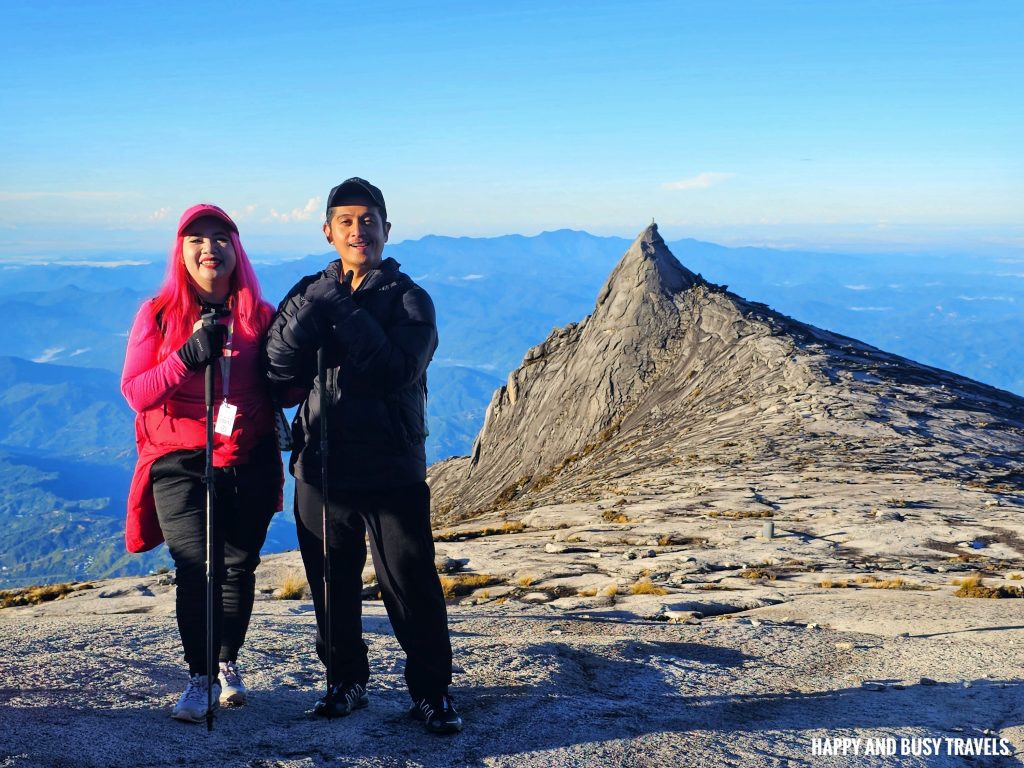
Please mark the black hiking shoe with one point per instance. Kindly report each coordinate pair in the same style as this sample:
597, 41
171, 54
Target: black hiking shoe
439, 715
345, 698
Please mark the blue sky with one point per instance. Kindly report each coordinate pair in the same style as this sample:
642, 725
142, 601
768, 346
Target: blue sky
842, 126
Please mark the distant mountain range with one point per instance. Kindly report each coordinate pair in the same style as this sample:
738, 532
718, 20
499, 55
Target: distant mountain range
497, 296
66, 439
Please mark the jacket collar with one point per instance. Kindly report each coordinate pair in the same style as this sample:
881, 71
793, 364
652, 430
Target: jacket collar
386, 272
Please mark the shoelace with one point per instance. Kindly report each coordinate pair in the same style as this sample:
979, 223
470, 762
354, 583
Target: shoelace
229, 672
196, 689
426, 709
353, 695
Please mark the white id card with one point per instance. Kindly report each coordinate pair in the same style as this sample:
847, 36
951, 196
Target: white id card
225, 418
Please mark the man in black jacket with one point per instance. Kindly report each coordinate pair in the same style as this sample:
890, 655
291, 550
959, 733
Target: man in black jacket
378, 332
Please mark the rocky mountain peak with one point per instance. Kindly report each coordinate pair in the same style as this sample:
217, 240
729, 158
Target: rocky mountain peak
669, 370
647, 275
585, 375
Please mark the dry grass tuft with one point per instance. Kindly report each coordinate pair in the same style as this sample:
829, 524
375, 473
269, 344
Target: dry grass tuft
293, 586
36, 595
588, 592
742, 515
611, 516
896, 501
609, 591
897, 583
645, 586
513, 526
972, 580
830, 584
1015, 576
525, 581
464, 583
974, 586
969, 557
757, 573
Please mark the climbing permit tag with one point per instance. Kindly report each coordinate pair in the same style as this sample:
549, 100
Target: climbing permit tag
225, 419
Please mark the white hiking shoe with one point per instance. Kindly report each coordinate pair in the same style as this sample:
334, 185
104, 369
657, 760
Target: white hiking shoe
191, 707
232, 690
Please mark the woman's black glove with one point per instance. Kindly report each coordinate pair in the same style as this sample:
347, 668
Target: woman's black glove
204, 345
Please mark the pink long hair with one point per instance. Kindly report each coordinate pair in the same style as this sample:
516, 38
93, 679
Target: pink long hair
178, 304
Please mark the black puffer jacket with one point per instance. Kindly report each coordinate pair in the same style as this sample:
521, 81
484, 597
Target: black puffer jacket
378, 348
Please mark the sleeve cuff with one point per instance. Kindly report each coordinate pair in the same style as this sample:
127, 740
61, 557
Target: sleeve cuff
177, 366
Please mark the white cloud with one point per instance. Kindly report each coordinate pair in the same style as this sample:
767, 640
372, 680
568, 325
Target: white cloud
305, 213
160, 214
244, 213
987, 298
50, 353
700, 181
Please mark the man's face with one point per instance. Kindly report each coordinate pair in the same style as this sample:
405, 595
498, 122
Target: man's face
358, 234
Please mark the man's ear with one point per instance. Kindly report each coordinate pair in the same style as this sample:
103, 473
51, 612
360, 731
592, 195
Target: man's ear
327, 233
387, 229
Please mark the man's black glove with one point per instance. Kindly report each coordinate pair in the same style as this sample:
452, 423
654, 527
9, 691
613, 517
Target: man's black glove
327, 295
204, 345
304, 328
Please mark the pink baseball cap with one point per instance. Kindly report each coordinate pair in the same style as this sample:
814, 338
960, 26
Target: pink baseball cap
201, 210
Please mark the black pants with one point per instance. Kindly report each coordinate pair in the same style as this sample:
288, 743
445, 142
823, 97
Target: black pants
398, 521
245, 501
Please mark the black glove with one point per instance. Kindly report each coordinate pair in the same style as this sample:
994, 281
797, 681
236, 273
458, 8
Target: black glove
327, 295
304, 328
204, 345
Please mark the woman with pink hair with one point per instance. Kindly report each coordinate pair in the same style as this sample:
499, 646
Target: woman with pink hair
169, 348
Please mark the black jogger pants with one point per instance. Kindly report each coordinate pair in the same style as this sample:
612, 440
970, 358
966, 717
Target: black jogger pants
398, 522
245, 501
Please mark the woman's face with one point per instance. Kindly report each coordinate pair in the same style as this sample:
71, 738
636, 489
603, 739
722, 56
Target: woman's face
209, 257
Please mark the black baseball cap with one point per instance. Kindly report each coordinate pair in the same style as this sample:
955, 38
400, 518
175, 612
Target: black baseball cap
356, 190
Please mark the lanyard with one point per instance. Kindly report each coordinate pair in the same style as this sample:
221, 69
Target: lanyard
226, 413
225, 360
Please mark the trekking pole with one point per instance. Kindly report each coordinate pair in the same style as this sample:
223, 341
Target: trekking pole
321, 365
209, 319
